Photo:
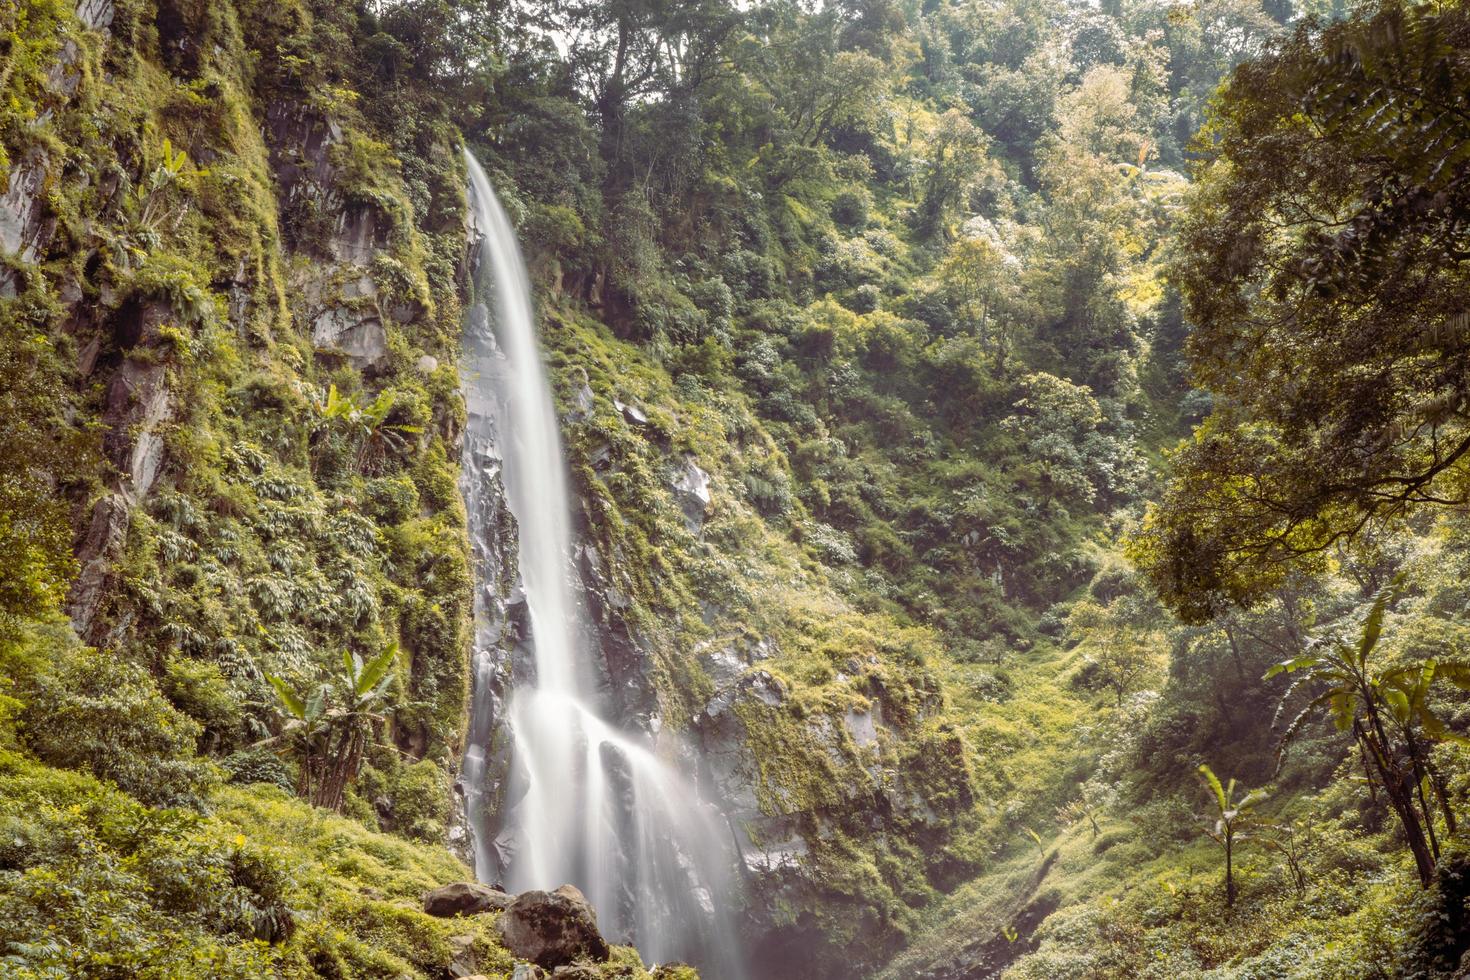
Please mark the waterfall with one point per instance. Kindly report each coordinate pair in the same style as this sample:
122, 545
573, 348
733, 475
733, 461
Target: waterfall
580, 801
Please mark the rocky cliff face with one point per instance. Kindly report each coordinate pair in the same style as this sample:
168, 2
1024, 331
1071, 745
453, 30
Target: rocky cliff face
222, 244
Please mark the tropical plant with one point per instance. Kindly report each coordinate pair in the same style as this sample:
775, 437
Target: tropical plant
1232, 818
1393, 725
329, 729
151, 196
1088, 806
1291, 841
366, 425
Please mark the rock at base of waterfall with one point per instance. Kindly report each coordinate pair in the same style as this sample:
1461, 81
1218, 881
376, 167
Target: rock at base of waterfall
463, 962
576, 972
675, 971
465, 898
552, 929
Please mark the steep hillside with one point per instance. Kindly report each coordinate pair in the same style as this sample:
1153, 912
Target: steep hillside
873, 327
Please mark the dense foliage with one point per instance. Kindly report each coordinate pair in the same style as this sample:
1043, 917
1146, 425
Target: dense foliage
929, 291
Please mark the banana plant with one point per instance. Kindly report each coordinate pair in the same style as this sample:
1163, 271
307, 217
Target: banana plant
1387, 711
151, 197
330, 728
1231, 820
366, 424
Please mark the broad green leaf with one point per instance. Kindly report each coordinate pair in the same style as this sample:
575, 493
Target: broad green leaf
1456, 673
1398, 704
1252, 798
376, 670
1373, 625
1213, 782
316, 704
1293, 665
288, 697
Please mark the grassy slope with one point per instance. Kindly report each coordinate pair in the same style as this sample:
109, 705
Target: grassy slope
94, 884
1137, 900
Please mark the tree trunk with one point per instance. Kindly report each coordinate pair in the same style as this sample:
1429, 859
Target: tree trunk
1229, 870
1375, 744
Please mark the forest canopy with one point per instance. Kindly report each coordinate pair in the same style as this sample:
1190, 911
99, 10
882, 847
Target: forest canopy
1323, 265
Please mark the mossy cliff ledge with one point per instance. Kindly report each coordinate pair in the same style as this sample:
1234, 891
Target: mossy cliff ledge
219, 246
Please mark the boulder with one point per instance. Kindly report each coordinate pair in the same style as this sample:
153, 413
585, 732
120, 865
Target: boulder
631, 414
463, 962
465, 898
552, 929
691, 490
360, 337
575, 972
583, 402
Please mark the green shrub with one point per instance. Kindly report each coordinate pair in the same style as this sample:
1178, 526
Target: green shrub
200, 690
259, 765
96, 712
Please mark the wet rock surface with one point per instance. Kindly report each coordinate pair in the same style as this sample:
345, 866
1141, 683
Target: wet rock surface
465, 898
24, 226
552, 929
691, 486
360, 338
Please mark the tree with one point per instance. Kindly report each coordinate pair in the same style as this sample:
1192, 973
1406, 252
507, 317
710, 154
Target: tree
976, 276
1387, 711
1232, 818
329, 729
1120, 653
848, 91
1323, 262
631, 50
956, 158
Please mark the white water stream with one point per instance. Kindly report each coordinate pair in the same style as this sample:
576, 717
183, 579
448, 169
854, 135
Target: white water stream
585, 802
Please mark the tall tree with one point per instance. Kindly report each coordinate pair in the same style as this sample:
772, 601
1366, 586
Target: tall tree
1324, 265
631, 50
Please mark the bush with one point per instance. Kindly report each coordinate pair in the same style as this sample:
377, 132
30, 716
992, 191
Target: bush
851, 208
200, 690
420, 801
260, 766
863, 299
95, 712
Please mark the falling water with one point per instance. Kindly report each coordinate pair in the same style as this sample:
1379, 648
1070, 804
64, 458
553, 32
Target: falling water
584, 802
